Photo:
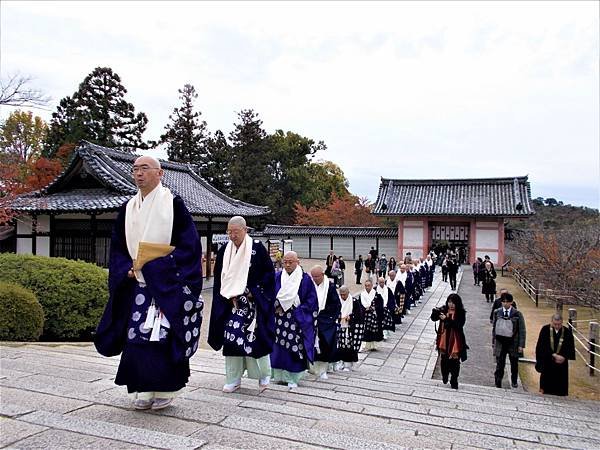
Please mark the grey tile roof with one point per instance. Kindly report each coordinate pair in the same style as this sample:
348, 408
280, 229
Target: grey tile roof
111, 170
500, 197
75, 201
298, 230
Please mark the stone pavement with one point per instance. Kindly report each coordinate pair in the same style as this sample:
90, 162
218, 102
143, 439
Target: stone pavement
410, 351
63, 396
479, 367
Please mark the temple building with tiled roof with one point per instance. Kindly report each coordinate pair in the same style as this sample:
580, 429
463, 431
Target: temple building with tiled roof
349, 242
73, 215
466, 215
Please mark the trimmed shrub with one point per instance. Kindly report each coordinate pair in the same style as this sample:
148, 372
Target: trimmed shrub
72, 293
21, 315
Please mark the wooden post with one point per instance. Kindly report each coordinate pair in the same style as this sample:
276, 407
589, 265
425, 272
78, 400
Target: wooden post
593, 340
573, 317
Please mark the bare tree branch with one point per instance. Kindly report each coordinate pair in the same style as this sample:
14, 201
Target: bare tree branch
15, 91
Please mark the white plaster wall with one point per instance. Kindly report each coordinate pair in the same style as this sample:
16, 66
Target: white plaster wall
23, 246
42, 245
486, 238
413, 223
493, 256
416, 252
43, 224
481, 224
24, 225
363, 245
413, 237
389, 246
320, 247
300, 246
343, 246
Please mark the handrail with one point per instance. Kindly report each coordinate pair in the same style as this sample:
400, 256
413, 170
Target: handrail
506, 264
589, 350
531, 291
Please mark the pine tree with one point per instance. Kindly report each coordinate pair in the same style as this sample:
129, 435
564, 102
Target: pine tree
250, 177
185, 137
217, 170
98, 112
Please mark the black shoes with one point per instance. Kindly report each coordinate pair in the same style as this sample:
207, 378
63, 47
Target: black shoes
514, 385
445, 380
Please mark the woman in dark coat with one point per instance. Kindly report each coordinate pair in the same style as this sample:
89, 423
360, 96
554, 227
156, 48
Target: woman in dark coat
488, 282
451, 343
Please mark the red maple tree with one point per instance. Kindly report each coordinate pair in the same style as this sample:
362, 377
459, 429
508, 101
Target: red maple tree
349, 211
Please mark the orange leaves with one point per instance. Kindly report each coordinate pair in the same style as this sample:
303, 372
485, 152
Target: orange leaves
348, 210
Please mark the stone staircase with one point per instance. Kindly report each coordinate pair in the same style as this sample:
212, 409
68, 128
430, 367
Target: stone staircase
64, 397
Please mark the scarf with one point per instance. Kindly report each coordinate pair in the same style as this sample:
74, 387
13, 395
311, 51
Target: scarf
346, 306
560, 340
383, 291
449, 341
288, 293
366, 298
401, 277
392, 283
322, 292
236, 264
148, 219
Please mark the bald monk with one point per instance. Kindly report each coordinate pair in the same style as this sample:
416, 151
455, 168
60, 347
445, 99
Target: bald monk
296, 309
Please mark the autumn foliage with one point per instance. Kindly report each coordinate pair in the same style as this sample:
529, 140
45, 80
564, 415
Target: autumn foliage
565, 262
349, 210
22, 168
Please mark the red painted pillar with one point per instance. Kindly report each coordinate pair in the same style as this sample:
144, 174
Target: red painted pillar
426, 237
500, 241
472, 242
400, 255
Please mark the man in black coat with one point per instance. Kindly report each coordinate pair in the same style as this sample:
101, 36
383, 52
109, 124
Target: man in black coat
498, 303
358, 268
452, 266
508, 338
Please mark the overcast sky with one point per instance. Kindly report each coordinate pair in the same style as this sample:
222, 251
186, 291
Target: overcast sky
396, 90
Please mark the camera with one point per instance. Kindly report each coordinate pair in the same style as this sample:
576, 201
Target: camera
435, 313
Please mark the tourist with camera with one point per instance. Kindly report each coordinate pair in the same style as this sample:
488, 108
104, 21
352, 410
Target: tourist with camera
451, 342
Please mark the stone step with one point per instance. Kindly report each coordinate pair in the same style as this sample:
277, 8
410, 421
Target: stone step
102, 429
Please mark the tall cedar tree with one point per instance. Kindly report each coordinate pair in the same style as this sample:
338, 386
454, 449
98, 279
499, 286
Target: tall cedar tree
217, 170
250, 148
185, 137
97, 112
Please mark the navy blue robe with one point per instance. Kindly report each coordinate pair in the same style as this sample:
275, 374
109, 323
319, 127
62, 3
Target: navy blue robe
374, 320
175, 283
388, 312
261, 284
294, 354
399, 297
350, 339
327, 323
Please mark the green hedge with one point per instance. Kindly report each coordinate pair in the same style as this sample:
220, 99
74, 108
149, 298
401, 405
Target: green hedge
21, 315
72, 293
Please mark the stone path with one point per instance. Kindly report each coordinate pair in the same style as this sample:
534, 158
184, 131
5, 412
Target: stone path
479, 367
63, 396
410, 351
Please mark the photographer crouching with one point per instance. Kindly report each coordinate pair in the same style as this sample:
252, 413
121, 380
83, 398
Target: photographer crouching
451, 343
